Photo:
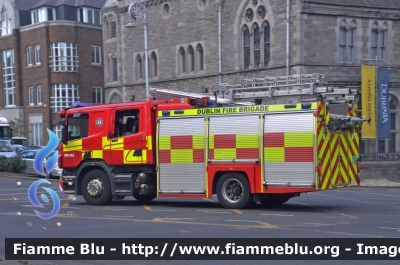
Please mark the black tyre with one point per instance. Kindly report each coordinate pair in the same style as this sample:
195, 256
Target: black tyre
274, 200
233, 191
144, 198
96, 188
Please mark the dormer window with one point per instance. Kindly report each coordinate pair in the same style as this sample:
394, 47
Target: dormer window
86, 15
43, 14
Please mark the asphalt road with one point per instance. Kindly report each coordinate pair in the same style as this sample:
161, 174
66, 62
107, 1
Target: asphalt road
346, 213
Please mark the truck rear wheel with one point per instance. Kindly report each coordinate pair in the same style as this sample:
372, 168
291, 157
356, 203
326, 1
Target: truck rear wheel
276, 199
233, 191
144, 198
96, 188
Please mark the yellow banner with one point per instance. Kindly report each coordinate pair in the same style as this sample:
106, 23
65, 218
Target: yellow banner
368, 98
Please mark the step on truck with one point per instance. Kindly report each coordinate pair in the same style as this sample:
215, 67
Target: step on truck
185, 145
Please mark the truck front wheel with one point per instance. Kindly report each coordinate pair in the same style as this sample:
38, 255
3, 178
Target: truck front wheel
144, 198
274, 200
233, 191
96, 188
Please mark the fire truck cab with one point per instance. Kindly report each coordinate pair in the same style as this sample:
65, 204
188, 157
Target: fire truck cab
181, 147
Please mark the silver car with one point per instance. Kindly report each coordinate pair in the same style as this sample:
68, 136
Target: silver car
29, 157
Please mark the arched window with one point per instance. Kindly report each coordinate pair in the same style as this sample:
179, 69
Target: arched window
351, 36
139, 67
182, 60
191, 59
257, 46
200, 57
267, 43
246, 47
374, 40
382, 43
154, 64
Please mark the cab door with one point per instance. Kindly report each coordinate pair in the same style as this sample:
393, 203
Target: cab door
126, 147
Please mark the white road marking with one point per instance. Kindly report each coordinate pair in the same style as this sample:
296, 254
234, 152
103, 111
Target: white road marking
277, 214
116, 209
242, 221
117, 216
163, 210
167, 218
389, 228
317, 224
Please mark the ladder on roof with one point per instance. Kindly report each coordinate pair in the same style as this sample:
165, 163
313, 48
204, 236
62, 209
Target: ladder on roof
292, 85
268, 87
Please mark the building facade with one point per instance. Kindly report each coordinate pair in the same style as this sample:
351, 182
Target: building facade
334, 38
51, 57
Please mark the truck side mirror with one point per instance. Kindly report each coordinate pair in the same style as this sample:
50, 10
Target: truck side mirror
63, 134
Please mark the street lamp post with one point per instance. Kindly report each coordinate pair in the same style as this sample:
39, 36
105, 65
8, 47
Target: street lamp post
138, 10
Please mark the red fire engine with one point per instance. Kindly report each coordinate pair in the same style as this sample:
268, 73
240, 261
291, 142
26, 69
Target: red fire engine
185, 145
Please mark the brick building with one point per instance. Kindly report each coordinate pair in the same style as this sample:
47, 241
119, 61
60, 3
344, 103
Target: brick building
51, 54
329, 37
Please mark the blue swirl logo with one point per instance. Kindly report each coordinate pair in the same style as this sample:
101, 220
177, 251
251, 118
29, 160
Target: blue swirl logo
43, 168
43, 153
34, 200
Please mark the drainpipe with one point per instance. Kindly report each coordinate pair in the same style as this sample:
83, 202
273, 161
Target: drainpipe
288, 37
219, 2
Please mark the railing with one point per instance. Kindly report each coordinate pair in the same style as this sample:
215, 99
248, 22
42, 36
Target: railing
380, 157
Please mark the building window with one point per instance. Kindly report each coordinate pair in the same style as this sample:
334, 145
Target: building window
5, 23
113, 29
191, 59
200, 56
382, 45
30, 95
39, 95
97, 95
29, 56
347, 39
114, 69
37, 54
139, 67
246, 47
342, 44
351, 33
96, 54
63, 96
154, 64
374, 43
267, 42
257, 46
57, 131
182, 60
43, 14
9, 78
64, 57
86, 15
36, 129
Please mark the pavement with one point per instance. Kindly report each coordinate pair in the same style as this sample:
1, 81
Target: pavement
371, 183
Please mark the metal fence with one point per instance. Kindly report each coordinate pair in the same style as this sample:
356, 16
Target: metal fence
380, 157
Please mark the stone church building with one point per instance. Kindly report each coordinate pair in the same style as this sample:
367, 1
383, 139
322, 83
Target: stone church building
334, 38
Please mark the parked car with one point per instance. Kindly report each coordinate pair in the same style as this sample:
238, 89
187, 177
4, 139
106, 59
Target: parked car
6, 149
29, 156
19, 140
20, 148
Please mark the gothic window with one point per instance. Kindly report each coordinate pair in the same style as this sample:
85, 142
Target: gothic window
374, 41
200, 56
154, 64
347, 40
191, 59
182, 60
139, 67
261, 12
249, 14
246, 47
257, 46
267, 42
382, 43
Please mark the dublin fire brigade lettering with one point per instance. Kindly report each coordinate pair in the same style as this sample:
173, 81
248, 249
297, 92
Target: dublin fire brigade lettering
233, 110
